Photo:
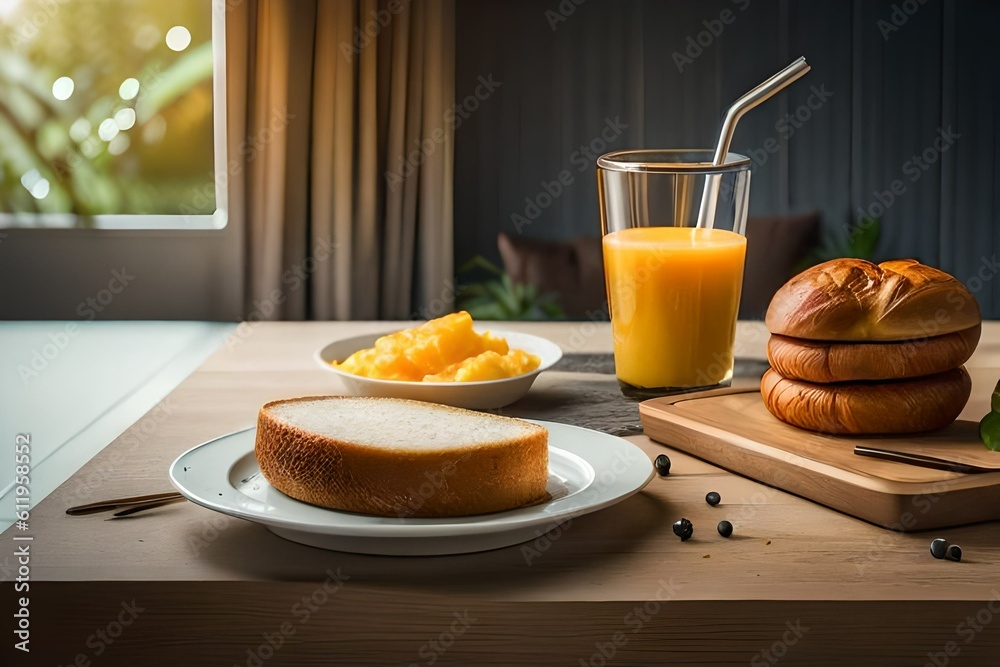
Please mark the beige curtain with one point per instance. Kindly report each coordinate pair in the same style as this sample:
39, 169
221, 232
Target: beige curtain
347, 155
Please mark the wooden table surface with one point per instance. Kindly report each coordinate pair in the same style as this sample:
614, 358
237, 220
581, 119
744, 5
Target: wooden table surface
797, 582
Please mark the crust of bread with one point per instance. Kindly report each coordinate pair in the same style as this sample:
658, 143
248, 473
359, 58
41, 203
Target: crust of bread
856, 300
821, 361
357, 477
903, 406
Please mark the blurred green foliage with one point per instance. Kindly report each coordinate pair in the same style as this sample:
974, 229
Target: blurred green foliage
499, 298
150, 167
857, 241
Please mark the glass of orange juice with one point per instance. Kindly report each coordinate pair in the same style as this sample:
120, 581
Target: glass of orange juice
673, 285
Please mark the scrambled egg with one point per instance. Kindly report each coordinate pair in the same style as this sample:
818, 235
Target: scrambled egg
442, 350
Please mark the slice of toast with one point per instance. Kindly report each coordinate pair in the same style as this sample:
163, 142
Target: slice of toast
393, 457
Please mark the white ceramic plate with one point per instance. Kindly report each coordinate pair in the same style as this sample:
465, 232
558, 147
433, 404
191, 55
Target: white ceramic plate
473, 395
588, 471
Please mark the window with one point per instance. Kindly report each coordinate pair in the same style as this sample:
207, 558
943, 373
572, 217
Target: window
112, 114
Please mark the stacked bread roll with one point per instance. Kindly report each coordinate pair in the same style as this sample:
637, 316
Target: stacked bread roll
863, 348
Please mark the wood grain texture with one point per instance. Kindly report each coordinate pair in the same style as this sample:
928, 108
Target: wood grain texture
225, 623
214, 584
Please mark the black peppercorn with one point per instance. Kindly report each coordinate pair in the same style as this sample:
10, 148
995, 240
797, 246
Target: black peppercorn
683, 529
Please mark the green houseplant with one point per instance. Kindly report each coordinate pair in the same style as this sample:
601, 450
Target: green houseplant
500, 298
858, 241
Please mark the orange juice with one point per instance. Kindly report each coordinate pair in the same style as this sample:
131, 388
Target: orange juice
674, 293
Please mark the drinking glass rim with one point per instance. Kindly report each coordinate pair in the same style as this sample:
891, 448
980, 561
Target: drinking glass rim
613, 161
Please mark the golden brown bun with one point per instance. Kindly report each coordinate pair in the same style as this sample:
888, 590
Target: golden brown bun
904, 406
401, 458
816, 361
856, 300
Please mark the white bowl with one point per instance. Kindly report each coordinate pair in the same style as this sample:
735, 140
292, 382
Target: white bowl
482, 395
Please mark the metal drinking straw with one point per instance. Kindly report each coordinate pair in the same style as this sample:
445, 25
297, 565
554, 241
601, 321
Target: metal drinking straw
706, 212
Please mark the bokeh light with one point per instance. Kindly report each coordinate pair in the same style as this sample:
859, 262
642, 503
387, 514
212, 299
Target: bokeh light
146, 37
125, 118
91, 147
62, 88
29, 178
119, 144
41, 189
154, 130
129, 89
35, 184
178, 38
8, 7
79, 130
108, 129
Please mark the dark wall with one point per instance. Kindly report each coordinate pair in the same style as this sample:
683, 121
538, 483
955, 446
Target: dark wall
884, 86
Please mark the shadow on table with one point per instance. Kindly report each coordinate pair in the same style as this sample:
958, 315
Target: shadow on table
592, 541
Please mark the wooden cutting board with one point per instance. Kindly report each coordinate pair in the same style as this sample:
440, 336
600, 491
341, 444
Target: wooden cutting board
732, 429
